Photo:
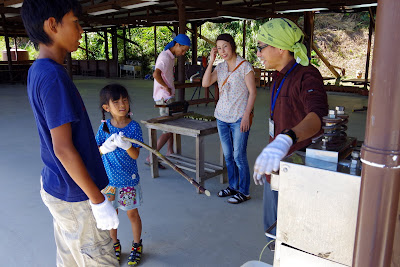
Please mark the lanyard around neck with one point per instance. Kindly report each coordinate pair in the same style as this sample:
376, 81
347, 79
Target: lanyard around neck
275, 96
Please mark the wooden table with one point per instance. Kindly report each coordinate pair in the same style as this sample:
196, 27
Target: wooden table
358, 81
328, 78
197, 84
198, 129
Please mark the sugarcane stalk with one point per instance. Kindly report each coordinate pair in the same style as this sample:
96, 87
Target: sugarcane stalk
172, 165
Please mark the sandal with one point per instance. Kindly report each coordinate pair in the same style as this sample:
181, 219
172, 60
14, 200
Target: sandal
227, 192
238, 198
160, 166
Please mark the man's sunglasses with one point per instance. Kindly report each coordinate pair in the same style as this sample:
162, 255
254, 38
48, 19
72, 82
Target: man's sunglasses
259, 48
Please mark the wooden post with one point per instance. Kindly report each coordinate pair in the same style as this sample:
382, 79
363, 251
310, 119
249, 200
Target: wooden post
244, 38
124, 33
377, 241
326, 62
194, 44
69, 65
201, 36
309, 31
115, 50
9, 59
371, 28
107, 74
200, 160
177, 144
152, 156
181, 60
155, 44
87, 51
16, 48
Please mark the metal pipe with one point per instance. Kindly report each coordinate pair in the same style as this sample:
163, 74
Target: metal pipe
378, 212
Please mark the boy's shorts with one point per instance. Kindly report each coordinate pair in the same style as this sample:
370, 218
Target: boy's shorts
126, 198
165, 111
79, 241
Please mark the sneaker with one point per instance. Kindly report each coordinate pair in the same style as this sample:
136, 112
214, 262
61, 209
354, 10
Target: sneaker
117, 250
239, 198
136, 254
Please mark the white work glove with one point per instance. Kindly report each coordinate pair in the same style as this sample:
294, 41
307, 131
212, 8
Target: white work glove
109, 145
122, 143
270, 157
105, 215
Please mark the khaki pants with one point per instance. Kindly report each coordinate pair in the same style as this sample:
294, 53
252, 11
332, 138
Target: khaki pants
79, 242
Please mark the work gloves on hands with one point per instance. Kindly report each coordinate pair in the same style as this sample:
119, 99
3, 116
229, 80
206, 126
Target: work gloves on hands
122, 143
270, 157
105, 215
109, 145
114, 141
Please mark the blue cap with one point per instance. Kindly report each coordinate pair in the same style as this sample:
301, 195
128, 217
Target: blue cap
181, 39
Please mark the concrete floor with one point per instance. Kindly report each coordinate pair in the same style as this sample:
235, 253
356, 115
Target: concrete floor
180, 227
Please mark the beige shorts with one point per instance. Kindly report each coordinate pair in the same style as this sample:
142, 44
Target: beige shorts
79, 241
165, 111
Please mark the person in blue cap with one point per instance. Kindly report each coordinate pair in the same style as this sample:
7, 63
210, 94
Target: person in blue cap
164, 89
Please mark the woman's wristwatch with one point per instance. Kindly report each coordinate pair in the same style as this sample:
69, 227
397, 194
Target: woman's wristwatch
291, 134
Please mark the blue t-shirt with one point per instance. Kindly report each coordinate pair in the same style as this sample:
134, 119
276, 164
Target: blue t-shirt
55, 101
120, 167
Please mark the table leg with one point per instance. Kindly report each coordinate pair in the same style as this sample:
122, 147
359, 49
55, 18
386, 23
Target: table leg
153, 158
199, 160
177, 144
224, 176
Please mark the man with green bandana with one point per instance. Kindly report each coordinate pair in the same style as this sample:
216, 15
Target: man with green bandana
298, 102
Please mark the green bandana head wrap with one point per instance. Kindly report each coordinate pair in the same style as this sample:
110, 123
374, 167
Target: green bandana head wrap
284, 34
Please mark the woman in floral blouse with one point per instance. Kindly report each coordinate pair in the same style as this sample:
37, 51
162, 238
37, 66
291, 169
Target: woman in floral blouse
237, 93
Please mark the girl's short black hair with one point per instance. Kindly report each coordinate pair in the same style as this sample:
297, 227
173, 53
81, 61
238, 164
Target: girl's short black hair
35, 12
112, 92
228, 38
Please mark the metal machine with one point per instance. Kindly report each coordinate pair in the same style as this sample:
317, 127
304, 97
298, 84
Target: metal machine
318, 199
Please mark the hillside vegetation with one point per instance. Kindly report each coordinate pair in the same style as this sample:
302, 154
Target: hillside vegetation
343, 40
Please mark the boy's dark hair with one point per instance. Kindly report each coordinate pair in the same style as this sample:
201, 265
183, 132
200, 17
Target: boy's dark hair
228, 38
35, 12
112, 92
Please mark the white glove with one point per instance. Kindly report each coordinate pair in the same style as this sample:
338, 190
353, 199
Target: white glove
109, 145
105, 215
270, 157
259, 179
122, 143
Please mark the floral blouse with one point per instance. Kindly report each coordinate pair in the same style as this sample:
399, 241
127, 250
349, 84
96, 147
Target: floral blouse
234, 94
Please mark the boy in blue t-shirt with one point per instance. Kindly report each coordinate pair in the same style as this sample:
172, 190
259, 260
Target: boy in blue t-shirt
73, 172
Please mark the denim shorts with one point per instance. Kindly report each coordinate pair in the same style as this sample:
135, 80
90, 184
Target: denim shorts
125, 198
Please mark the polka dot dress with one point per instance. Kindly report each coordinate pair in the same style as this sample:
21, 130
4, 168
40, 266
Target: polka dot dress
121, 169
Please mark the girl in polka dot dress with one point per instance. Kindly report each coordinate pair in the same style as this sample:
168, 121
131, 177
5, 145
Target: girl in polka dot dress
119, 158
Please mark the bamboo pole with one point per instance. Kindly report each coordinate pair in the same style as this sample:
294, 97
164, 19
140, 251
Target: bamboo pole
173, 166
